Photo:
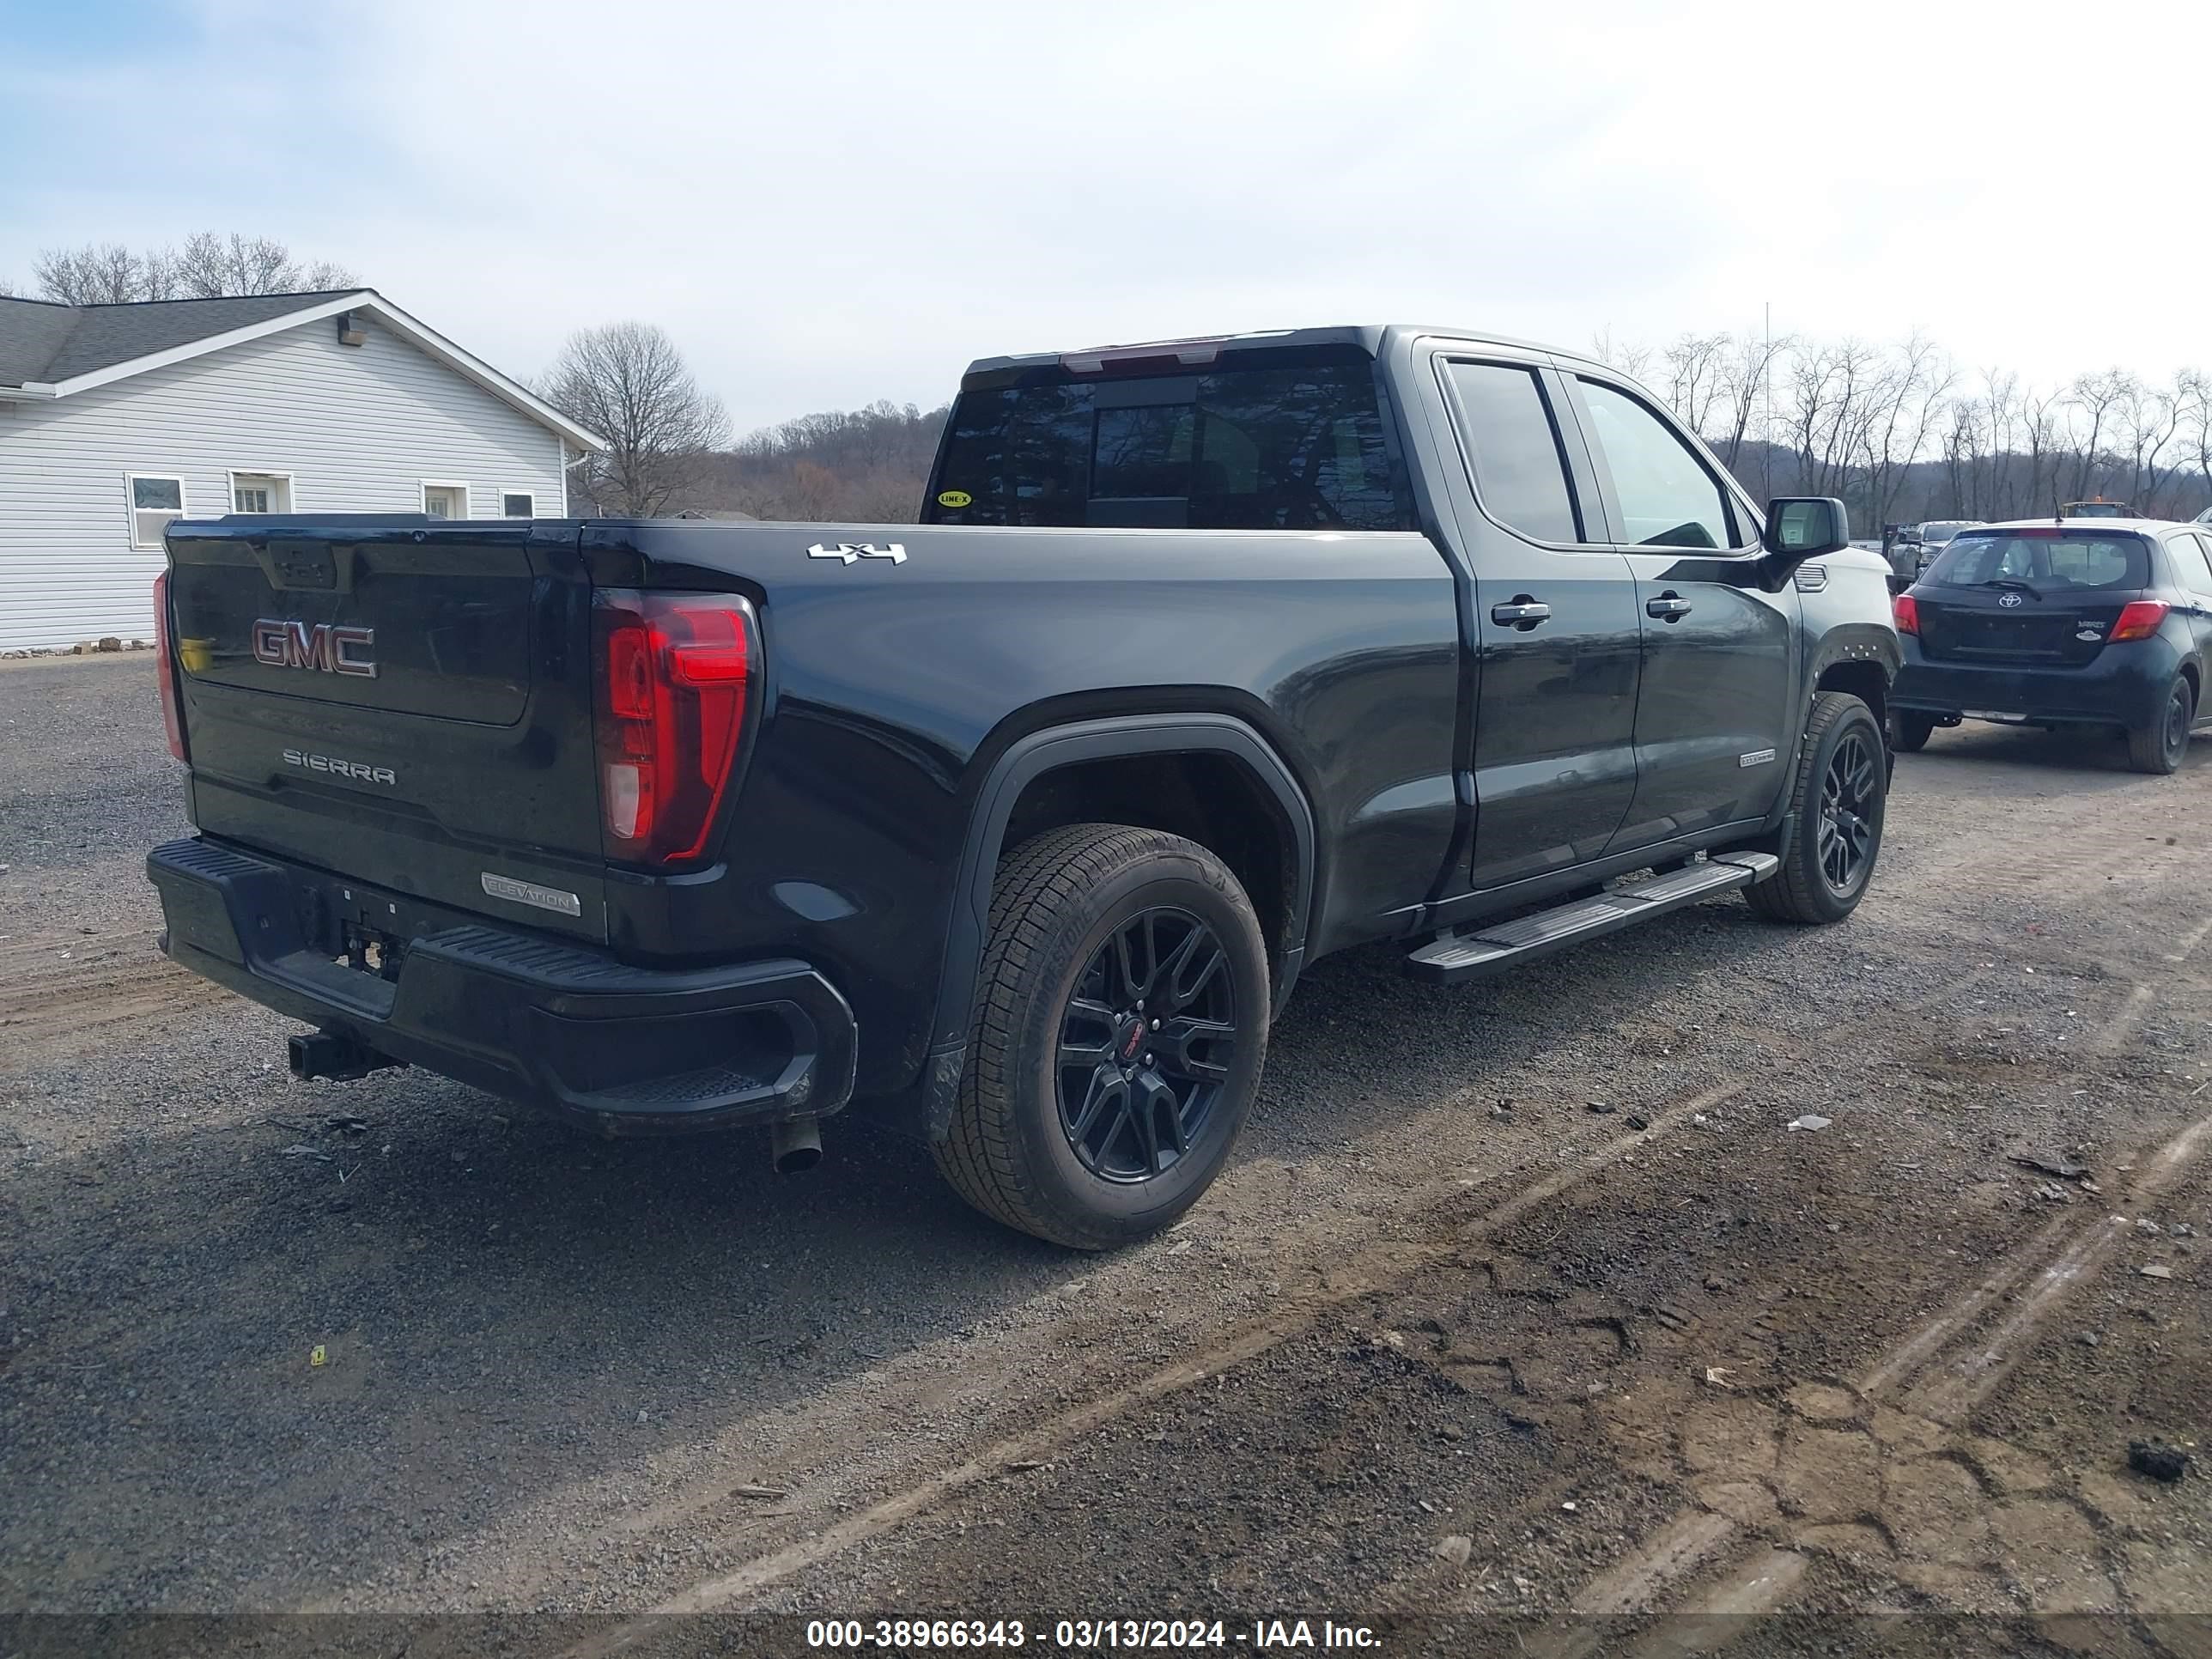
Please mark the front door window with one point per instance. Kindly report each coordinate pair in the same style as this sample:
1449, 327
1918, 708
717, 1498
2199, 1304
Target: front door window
1667, 498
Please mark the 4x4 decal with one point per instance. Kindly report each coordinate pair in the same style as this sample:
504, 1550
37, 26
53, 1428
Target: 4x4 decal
849, 551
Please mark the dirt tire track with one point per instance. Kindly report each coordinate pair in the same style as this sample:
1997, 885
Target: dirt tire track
45, 1018
1451, 1228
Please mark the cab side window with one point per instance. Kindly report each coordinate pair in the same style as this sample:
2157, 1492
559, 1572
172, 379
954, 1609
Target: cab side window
1668, 498
1520, 467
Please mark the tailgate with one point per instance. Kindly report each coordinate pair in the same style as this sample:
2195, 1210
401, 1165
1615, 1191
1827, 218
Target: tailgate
403, 701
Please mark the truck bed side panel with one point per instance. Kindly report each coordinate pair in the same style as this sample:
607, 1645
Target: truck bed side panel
893, 685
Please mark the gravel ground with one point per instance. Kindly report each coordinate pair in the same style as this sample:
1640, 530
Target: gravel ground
568, 1381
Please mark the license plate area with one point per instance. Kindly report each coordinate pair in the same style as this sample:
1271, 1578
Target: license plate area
368, 951
355, 928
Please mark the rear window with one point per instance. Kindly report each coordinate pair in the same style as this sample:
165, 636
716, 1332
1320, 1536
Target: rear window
2071, 562
1283, 445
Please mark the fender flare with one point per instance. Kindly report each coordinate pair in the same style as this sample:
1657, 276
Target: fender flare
1854, 641
1031, 757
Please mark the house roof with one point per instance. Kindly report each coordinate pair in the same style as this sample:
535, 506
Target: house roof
50, 350
43, 342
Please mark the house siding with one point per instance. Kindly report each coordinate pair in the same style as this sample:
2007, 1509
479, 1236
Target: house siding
358, 429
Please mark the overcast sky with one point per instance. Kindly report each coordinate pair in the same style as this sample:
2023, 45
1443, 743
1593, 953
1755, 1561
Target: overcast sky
828, 203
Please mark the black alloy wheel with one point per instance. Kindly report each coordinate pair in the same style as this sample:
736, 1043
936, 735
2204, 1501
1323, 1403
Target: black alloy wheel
1146, 1046
1838, 797
1117, 1036
1848, 794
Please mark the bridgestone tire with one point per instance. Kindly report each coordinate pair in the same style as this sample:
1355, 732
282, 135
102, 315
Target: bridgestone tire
1057, 901
1801, 891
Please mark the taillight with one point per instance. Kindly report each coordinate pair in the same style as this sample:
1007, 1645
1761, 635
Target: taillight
1906, 610
172, 708
2139, 620
673, 672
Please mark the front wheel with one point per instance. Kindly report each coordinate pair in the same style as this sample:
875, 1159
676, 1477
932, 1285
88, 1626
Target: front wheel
2160, 746
1836, 806
1119, 1024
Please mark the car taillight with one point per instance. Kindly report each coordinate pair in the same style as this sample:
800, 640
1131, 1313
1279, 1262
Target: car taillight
172, 708
2139, 620
672, 674
1906, 610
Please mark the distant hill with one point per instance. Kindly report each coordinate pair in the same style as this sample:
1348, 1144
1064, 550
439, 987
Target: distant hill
870, 466
862, 466
1989, 488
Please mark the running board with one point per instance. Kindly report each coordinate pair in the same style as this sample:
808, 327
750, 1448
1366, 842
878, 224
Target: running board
1493, 949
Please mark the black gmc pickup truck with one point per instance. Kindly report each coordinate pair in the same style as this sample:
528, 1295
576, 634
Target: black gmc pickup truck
1207, 659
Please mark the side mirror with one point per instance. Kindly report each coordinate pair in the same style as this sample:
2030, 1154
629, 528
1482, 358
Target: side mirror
1800, 527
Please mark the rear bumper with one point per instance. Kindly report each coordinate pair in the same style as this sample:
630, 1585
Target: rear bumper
2124, 685
627, 1050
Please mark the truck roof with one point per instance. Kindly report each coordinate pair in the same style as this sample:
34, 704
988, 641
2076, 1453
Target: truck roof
1192, 350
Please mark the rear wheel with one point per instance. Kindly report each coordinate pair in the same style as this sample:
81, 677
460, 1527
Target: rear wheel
1837, 801
1120, 1025
1910, 731
2160, 746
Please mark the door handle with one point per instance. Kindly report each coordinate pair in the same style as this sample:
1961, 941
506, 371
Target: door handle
1668, 607
1524, 613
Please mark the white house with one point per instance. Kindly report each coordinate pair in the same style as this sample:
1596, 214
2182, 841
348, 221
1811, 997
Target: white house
116, 419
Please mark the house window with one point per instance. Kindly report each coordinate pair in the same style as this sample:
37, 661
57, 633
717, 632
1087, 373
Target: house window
446, 500
260, 492
154, 499
517, 505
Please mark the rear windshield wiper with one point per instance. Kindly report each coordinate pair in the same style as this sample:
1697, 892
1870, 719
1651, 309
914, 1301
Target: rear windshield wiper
2012, 582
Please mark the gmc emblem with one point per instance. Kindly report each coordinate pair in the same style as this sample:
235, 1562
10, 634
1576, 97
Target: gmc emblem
322, 647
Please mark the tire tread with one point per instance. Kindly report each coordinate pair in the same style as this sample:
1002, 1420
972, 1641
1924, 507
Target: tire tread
2147, 744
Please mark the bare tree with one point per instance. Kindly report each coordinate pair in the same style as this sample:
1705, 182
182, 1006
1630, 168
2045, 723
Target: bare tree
1630, 360
2193, 401
208, 267
1992, 495
856, 466
1963, 451
101, 273
1696, 365
628, 383
1905, 400
1746, 378
1831, 413
2095, 397
2042, 417
1892, 431
2145, 419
